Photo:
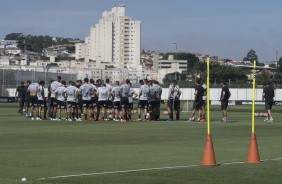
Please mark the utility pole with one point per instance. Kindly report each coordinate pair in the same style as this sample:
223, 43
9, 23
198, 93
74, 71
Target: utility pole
175, 75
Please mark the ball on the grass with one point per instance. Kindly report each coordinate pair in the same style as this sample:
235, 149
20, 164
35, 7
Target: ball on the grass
23, 179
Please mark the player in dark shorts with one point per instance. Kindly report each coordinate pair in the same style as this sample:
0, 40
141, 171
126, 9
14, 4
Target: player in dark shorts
116, 95
53, 101
26, 99
143, 103
41, 101
94, 99
198, 102
79, 104
173, 102
152, 99
103, 97
110, 104
125, 89
33, 100
132, 95
19, 97
224, 97
268, 95
158, 100
203, 114
48, 100
71, 93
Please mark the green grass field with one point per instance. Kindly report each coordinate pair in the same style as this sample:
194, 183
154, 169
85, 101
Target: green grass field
106, 152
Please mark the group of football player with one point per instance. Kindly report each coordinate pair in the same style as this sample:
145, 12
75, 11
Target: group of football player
89, 100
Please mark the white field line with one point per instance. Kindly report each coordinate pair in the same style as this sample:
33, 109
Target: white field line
116, 172
149, 169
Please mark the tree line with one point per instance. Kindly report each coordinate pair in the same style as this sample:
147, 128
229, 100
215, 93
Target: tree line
236, 76
35, 43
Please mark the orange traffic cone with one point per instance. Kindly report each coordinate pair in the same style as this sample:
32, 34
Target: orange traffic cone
209, 157
253, 156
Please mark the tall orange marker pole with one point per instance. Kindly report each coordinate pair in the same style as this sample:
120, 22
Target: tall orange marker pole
209, 156
253, 156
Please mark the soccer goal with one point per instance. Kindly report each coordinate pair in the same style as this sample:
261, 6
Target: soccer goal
185, 107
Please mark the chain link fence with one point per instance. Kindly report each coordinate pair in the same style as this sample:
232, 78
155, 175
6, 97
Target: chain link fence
13, 78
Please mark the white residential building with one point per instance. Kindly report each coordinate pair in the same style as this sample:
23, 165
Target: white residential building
116, 39
12, 51
9, 42
80, 50
172, 64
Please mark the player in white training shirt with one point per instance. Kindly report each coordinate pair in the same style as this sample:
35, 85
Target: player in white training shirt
103, 97
132, 95
158, 100
86, 92
61, 100
152, 98
173, 103
71, 93
41, 101
110, 101
143, 99
32, 89
53, 102
116, 94
125, 89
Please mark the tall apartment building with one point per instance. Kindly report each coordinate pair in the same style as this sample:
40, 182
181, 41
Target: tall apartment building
80, 50
116, 39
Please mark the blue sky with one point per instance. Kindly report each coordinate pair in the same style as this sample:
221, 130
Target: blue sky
228, 29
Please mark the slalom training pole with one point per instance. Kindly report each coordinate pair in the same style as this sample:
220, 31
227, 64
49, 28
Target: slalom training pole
253, 156
209, 156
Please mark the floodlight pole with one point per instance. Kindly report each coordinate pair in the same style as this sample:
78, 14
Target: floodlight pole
175, 75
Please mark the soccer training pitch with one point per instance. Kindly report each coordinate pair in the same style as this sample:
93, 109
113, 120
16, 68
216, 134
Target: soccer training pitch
52, 152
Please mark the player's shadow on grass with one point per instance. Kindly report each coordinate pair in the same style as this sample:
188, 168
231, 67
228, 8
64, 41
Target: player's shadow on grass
231, 121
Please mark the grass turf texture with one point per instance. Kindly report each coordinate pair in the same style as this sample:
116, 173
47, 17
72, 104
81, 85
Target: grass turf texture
40, 149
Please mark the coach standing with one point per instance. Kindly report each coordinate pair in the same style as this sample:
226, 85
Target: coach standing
19, 96
268, 95
224, 97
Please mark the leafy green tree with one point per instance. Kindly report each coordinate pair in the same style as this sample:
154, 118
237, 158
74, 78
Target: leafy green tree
35, 43
277, 78
223, 72
13, 36
62, 41
279, 65
182, 80
251, 56
64, 58
194, 64
263, 77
